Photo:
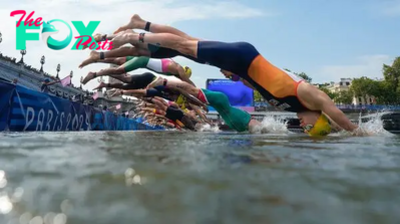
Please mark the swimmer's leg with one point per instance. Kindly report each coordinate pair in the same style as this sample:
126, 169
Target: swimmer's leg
191, 92
135, 92
110, 85
104, 72
235, 118
135, 63
137, 22
115, 61
181, 44
174, 84
98, 37
114, 53
126, 51
123, 78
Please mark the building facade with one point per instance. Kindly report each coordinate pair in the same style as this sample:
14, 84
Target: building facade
344, 85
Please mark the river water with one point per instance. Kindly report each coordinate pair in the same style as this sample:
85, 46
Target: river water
208, 177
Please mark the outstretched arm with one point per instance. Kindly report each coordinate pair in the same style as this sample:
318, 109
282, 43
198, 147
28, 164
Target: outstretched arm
328, 107
192, 99
200, 113
182, 75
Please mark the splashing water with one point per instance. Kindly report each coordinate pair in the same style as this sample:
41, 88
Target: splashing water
272, 125
209, 128
374, 125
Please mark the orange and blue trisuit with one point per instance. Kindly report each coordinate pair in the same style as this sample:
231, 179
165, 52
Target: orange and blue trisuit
277, 86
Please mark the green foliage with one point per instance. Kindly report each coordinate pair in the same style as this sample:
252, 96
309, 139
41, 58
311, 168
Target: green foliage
364, 86
385, 91
344, 97
304, 76
329, 93
257, 96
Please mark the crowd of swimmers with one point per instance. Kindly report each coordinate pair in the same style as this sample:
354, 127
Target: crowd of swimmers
178, 103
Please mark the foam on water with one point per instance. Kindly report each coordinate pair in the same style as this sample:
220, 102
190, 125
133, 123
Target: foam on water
375, 125
272, 125
209, 128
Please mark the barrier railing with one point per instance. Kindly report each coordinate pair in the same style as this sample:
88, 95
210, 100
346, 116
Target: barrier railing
348, 107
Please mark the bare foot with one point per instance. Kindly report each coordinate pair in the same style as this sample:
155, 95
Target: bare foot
102, 85
93, 57
135, 23
157, 82
90, 76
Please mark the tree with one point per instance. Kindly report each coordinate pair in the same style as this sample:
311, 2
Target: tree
392, 81
344, 97
329, 93
257, 96
304, 76
364, 86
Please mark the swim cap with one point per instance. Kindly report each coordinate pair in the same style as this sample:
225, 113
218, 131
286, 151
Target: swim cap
322, 127
188, 71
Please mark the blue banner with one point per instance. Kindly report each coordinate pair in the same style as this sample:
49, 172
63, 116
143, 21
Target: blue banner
22, 109
239, 95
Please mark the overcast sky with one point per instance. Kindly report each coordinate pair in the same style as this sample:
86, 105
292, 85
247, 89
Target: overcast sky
326, 39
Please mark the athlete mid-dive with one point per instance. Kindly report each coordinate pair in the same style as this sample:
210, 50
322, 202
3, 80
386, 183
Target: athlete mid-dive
281, 89
136, 81
235, 118
165, 66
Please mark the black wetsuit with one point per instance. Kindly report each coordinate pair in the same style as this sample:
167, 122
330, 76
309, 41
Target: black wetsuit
162, 52
140, 81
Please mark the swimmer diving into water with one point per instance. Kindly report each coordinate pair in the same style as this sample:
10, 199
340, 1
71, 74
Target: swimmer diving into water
235, 118
165, 66
316, 111
136, 81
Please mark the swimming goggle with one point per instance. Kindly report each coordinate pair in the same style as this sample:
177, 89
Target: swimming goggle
308, 127
234, 78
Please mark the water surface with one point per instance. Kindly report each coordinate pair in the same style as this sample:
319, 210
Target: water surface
173, 177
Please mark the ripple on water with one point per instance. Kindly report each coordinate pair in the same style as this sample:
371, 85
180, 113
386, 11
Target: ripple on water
171, 177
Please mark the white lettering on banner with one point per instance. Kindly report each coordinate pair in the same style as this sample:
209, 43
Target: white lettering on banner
49, 119
284, 106
55, 122
44, 120
29, 110
68, 121
75, 123
88, 122
61, 121
40, 120
80, 122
